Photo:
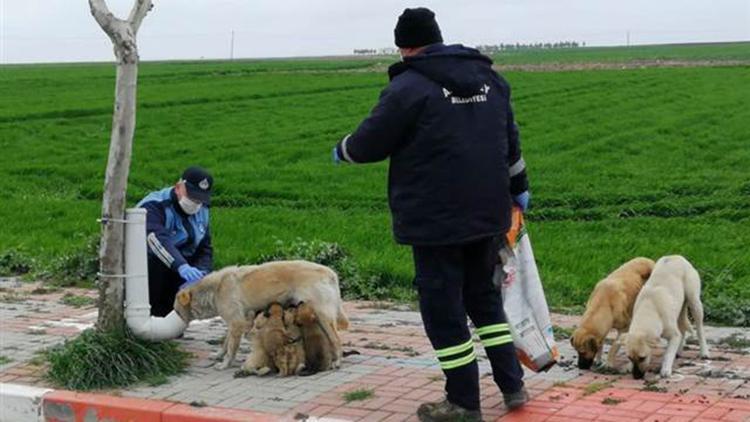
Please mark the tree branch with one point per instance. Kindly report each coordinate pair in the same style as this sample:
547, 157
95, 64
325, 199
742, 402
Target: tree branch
140, 9
106, 20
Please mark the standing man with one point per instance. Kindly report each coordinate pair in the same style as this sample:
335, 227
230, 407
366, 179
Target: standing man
445, 121
179, 241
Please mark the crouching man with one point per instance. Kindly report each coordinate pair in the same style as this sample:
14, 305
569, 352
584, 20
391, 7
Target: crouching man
178, 237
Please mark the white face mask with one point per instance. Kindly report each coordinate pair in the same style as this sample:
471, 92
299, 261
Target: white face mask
189, 206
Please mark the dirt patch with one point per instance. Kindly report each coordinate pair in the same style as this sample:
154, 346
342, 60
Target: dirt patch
721, 374
374, 345
653, 386
557, 67
636, 64
389, 306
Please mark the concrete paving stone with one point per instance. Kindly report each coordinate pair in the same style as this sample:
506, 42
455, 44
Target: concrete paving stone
237, 401
139, 394
255, 403
270, 407
362, 368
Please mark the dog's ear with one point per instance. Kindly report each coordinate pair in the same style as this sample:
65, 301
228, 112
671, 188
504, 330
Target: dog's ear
184, 297
646, 267
592, 345
654, 342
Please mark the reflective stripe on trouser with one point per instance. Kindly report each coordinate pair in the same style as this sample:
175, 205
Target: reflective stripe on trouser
494, 335
456, 356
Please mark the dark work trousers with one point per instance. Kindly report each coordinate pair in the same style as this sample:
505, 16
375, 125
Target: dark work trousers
453, 281
163, 284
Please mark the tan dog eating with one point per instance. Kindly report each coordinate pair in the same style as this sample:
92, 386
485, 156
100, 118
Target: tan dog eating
609, 306
238, 293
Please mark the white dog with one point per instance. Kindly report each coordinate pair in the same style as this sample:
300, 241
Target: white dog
661, 311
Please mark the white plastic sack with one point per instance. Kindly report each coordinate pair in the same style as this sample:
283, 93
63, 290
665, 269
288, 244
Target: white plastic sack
523, 300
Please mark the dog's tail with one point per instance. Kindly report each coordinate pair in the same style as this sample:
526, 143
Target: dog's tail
683, 322
342, 321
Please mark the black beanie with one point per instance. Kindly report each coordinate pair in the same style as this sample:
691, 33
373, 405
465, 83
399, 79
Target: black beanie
417, 28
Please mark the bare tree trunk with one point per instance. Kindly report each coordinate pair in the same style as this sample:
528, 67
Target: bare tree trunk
111, 253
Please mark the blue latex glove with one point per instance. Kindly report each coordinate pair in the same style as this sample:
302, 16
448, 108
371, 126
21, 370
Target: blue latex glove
336, 158
522, 200
189, 273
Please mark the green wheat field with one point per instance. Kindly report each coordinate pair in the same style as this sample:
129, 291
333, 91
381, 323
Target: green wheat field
622, 163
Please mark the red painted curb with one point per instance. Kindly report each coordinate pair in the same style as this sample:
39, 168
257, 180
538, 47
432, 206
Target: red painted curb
187, 413
68, 406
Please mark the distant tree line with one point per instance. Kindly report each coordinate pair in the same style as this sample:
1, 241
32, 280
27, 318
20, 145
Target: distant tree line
486, 49
490, 49
375, 52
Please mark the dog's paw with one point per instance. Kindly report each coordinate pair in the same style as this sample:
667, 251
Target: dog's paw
216, 356
301, 367
263, 371
243, 373
666, 373
705, 355
627, 368
222, 365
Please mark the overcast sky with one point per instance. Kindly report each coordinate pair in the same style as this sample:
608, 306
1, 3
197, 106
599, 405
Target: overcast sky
63, 30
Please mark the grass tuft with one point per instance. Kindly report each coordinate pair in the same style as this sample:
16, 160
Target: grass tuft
597, 386
76, 301
612, 401
357, 395
78, 268
96, 360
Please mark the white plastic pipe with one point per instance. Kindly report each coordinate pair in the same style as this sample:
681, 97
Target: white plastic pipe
137, 308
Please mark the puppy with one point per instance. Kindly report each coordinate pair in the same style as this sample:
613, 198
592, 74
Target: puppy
290, 358
661, 311
259, 361
276, 343
237, 293
322, 349
609, 306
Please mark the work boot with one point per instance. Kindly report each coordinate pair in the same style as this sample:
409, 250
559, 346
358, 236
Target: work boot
446, 411
516, 400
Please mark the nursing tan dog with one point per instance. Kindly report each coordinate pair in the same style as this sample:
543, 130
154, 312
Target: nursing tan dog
238, 293
609, 306
661, 311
